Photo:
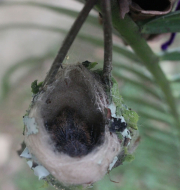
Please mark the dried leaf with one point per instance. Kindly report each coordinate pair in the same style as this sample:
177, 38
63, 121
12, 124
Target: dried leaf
124, 7
144, 9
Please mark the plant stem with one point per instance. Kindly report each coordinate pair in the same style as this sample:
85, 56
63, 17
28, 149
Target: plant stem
68, 41
107, 25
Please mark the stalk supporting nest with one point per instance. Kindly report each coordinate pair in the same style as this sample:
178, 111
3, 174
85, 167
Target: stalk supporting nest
106, 10
68, 41
107, 25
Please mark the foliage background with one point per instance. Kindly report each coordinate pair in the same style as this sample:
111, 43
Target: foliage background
30, 37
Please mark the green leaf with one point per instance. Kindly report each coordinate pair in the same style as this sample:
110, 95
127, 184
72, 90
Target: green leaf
133, 70
174, 78
150, 91
170, 56
156, 116
152, 143
144, 102
128, 54
163, 24
162, 137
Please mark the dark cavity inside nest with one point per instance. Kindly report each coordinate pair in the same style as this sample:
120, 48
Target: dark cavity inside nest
74, 136
73, 111
153, 5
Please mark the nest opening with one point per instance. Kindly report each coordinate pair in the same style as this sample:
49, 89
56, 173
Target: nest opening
156, 5
73, 111
73, 135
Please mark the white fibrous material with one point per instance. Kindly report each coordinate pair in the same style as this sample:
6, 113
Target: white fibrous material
74, 171
81, 90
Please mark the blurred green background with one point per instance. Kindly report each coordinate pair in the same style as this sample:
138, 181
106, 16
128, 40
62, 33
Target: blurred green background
30, 36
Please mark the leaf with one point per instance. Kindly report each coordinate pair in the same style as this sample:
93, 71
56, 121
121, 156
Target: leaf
72, 13
150, 91
31, 26
173, 55
128, 54
150, 126
163, 24
133, 70
5, 87
168, 139
144, 102
93, 40
155, 144
157, 117
29, 62
174, 78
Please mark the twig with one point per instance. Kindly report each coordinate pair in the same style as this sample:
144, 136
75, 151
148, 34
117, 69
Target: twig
107, 25
68, 41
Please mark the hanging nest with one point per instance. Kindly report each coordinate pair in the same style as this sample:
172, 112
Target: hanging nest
73, 132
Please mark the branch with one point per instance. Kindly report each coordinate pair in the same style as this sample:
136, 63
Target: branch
68, 41
107, 25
